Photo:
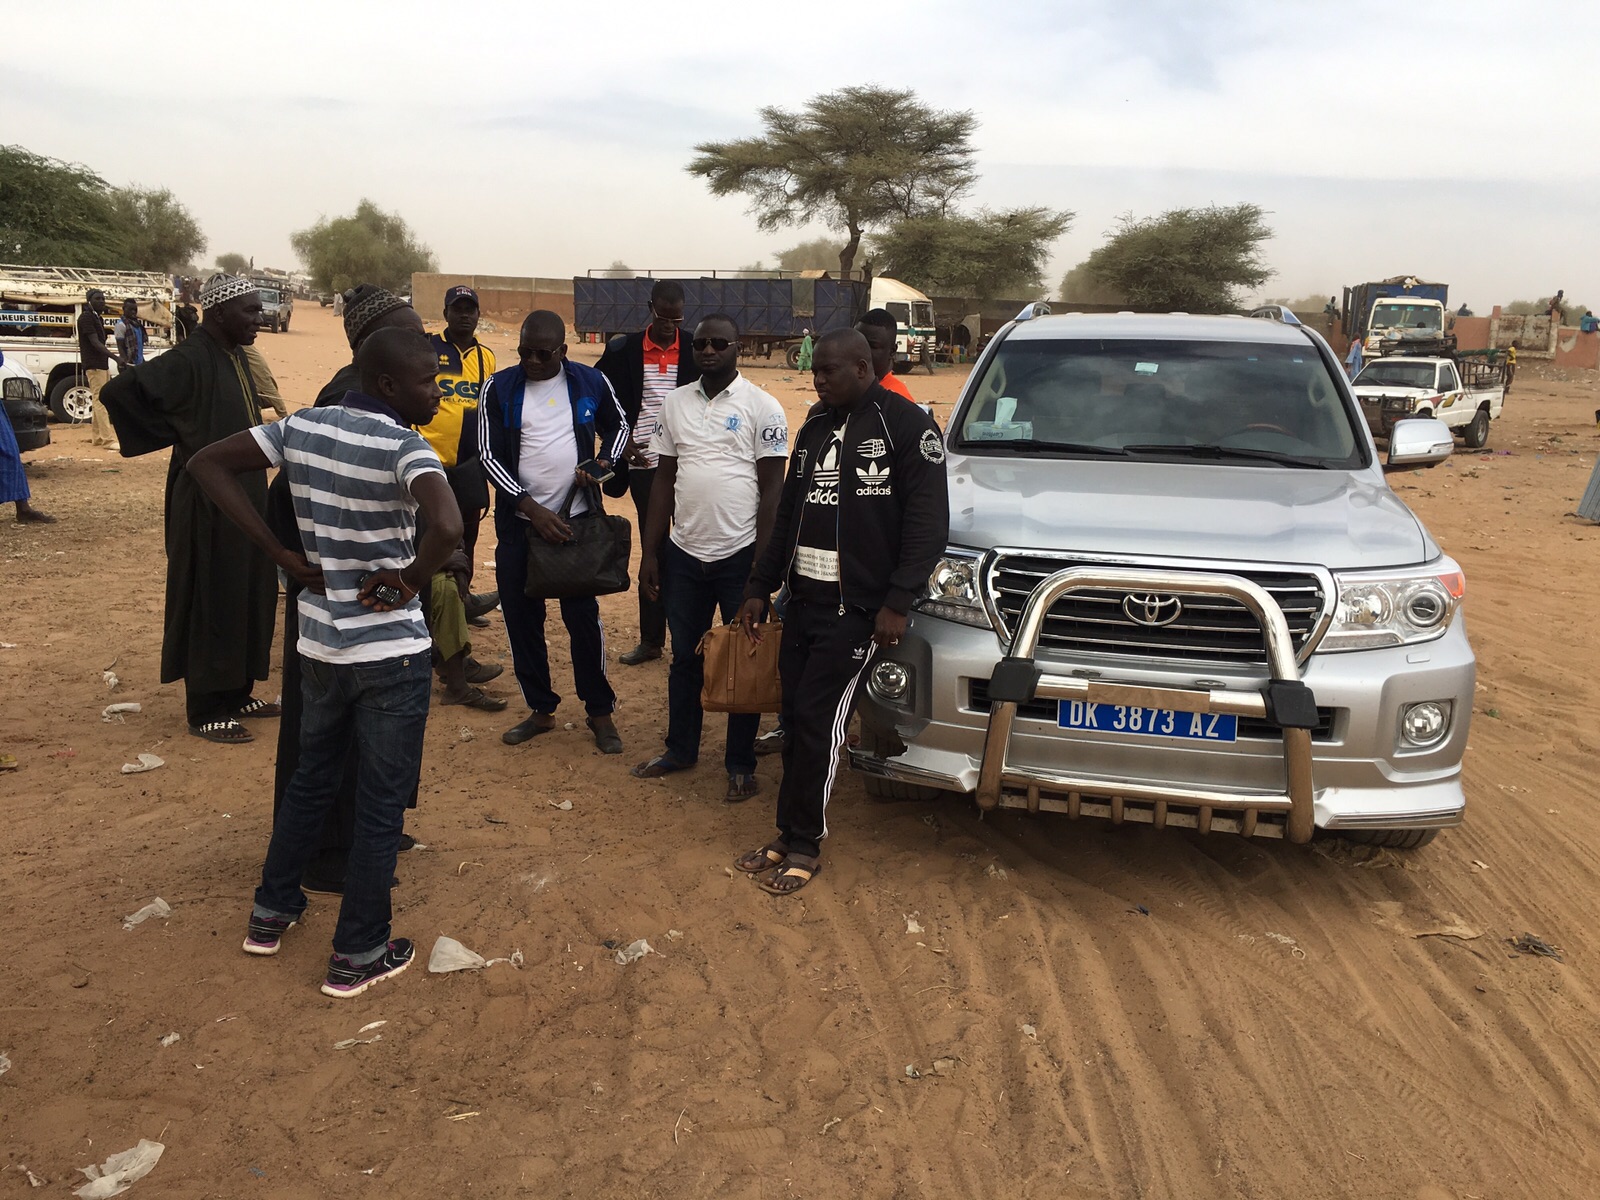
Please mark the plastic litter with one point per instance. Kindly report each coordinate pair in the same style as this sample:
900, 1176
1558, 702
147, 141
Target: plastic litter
8, 645
564, 806
113, 712
111, 679
147, 762
172, 1038
5, 1064
1029, 1032
358, 1040
156, 908
33, 1180
117, 1173
913, 925
912, 1072
633, 952
450, 955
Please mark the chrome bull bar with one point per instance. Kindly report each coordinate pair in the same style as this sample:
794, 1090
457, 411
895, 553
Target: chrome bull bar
1285, 701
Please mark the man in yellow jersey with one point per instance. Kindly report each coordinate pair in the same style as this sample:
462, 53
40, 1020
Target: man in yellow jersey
464, 363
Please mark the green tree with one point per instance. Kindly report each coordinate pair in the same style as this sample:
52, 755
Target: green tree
855, 159
232, 264
1313, 302
1528, 308
987, 254
55, 213
1077, 286
1192, 259
818, 254
158, 233
617, 270
368, 246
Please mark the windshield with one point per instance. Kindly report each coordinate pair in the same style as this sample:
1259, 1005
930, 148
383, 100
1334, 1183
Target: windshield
1407, 316
268, 295
1164, 399
900, 311
922, 314
1396, 374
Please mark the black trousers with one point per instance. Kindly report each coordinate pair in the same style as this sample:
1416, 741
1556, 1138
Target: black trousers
652, 613
216, 706
821, 660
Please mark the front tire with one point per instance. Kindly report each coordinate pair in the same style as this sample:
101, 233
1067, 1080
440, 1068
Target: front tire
1476, 435
1393, 839
792, 357
71, 402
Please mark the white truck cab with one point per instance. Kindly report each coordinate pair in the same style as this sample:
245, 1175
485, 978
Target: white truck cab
913, 315
1465, 396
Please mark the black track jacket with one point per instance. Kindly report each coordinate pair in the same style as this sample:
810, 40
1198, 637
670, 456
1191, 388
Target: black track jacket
894, 504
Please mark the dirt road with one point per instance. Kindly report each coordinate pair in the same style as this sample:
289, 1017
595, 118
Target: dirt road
1086, 1011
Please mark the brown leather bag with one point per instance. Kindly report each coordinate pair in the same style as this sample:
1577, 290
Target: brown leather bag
740, 677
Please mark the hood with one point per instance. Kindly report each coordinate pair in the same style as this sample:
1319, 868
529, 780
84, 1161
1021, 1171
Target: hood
1335, 519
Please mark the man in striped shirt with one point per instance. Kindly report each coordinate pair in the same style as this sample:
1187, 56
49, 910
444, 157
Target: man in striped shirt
358, 476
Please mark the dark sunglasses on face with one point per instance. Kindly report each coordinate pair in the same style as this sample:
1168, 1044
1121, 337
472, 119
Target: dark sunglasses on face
543, 356
717, 344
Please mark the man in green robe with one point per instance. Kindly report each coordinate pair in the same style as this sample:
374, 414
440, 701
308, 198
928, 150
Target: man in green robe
221, 589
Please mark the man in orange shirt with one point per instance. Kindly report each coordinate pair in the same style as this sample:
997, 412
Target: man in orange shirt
880, 329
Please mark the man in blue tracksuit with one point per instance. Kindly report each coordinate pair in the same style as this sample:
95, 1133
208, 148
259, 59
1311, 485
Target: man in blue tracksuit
536, 422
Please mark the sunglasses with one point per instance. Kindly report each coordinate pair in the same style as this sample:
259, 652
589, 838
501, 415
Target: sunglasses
717, 344
543, 356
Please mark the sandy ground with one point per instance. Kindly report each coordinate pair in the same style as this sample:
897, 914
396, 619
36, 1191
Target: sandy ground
1278, 1023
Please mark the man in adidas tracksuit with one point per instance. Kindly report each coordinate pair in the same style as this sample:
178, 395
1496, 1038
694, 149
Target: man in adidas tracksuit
863, 519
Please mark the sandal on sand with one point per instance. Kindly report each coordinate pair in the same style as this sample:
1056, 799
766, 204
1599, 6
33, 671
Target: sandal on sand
260, 708
741, 788
656, 767
792, 874
764, 859
477, 698
226, 731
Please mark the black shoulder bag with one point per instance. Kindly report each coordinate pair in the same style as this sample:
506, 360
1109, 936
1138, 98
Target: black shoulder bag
593, 563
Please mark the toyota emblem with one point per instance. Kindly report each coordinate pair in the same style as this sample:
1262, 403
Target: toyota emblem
1150, 609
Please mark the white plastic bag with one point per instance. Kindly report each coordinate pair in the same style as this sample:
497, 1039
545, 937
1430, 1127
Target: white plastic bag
156, 908
113, 1177
450, 955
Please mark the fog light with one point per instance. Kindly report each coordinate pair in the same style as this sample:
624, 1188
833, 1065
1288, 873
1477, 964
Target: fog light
1426, 723
891, 681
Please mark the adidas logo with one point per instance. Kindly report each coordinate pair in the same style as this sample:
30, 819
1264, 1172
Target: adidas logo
872, 473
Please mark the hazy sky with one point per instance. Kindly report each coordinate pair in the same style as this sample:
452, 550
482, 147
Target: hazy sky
529, 139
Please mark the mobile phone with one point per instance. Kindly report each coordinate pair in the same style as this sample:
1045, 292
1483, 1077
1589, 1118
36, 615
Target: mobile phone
596, 470
385, 593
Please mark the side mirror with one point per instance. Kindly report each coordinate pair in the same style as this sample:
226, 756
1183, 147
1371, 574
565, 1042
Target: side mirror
1418, 442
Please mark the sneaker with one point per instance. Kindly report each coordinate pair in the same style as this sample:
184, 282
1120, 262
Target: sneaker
346, 980
770, 743
265, 933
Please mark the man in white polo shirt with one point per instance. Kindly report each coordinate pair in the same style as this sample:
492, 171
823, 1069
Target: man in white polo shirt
723, 444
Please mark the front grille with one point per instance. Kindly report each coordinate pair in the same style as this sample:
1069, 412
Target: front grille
1252, 728
1210, 629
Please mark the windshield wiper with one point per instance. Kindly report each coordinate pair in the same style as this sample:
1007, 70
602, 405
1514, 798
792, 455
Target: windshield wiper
1058, 447
1214, 451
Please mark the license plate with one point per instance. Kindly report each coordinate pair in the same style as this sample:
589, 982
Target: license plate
1148, 722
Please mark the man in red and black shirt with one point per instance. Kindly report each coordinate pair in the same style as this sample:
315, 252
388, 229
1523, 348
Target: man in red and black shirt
643, 367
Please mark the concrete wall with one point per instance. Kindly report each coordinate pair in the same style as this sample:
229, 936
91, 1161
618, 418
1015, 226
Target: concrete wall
1577, 350
1472, 333
504, 297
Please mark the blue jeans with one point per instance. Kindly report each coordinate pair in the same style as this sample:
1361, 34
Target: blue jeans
693, 591
383, 707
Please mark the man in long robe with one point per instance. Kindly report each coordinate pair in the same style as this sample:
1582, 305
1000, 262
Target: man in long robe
221, 589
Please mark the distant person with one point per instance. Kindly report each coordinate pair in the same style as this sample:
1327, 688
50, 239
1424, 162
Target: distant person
881, 330
129, 333
186, 318
222, 591
338, 304
1353, 358
1511, 364
643, 368
1558, 310
1463, 311
465, 364
13, 480
537, 421
961, 339
266, 385
807, 349
359, 476
721, 444
863, 518
96, 358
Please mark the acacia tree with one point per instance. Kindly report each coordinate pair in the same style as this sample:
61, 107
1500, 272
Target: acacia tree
1193, 259
232, 264
985, 254
368, 246
855, 159
1078, 286
817, 254
157, 231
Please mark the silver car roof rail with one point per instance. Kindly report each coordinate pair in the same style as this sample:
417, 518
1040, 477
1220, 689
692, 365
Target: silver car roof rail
1038, 308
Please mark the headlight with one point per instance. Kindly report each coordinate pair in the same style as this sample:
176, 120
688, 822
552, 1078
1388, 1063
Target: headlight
1394, 608
953, 590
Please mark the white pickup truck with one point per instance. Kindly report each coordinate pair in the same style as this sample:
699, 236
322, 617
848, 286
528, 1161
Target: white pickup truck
1466, 397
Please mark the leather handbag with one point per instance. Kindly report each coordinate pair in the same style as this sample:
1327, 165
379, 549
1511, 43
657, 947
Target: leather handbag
593, 563
741, 677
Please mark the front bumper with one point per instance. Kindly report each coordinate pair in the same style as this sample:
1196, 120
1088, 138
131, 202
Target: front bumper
1358, 774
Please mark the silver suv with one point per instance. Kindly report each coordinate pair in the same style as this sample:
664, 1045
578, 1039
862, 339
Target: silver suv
1180, 592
